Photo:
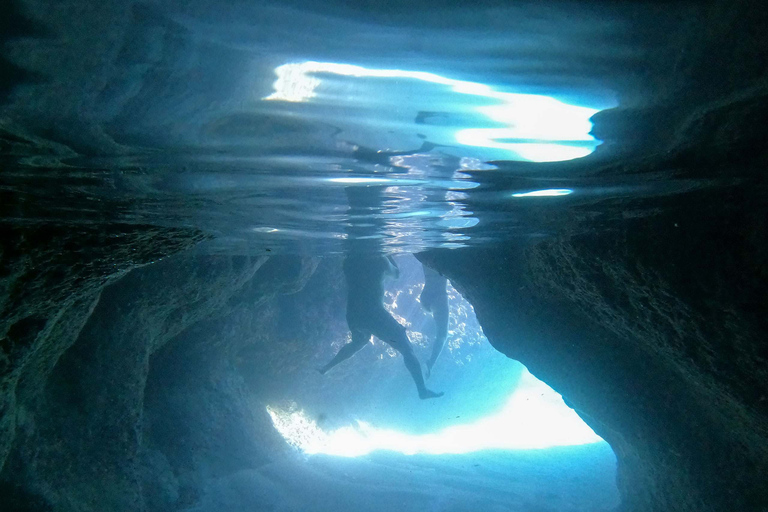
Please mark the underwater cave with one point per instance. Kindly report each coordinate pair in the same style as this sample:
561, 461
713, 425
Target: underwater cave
373, 256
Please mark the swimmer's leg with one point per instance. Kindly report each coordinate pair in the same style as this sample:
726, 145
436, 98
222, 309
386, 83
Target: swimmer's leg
359, 340
391, 332
440, 315
426, 301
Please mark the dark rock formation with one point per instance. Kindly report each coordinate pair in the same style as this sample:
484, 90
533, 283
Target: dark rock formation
52, 277
654, 329
201, 415
86, 407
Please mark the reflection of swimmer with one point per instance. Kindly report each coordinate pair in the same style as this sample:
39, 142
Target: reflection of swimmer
366, 315
434, 298
371, 156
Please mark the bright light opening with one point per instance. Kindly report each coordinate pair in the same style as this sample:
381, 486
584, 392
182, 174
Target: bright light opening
535, 127
535, 417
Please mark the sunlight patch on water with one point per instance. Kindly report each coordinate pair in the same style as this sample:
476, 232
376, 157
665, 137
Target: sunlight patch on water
535, 417
535, 127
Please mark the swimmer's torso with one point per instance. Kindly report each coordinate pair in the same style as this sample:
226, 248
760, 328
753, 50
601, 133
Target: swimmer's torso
365, 274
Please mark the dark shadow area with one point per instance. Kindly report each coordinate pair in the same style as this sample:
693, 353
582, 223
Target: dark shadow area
15, 24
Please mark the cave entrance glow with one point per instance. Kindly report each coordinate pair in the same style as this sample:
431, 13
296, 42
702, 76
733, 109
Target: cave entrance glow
412, 105
534, 417
492, 402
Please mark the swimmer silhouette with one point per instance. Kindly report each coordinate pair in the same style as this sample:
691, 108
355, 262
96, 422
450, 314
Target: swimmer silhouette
365, 269
366, 315
434, 299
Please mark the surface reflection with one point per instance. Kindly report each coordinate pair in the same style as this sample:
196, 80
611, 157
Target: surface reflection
550, 192
505, 125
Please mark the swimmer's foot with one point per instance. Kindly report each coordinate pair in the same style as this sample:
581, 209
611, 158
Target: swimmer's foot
321, 371
429, 394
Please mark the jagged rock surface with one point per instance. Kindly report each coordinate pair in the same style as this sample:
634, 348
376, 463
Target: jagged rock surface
52, 277
655, 333
90, 410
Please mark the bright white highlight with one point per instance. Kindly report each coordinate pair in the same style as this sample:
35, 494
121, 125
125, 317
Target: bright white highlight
359, 181
532, 152
373, 181
550, 192
534, 123
535, 417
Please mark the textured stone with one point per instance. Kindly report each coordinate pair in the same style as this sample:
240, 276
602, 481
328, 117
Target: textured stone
91, 413
52, 277
655, 333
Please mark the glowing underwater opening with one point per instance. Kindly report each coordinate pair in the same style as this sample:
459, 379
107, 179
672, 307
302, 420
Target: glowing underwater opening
534, 417
535, 127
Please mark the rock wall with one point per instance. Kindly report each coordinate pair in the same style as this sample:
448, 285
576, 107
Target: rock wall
655, 332
52, 278
201, 415
80, 430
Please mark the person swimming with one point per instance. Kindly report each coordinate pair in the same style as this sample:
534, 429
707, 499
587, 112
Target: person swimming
366, 315
434, 299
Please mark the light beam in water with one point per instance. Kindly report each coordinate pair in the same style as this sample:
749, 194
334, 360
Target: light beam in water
535, 417
535, 127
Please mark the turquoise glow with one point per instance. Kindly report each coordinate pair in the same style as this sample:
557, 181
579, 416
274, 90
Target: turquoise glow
535, 417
